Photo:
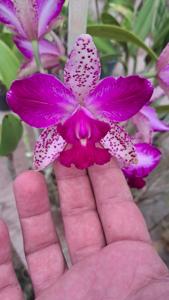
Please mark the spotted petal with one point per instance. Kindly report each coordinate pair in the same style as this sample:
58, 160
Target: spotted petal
118, 99
119, 145
82, 70
48, 148
41, 100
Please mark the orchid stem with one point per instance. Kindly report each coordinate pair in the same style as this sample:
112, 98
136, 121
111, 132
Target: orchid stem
78, 11
35, 46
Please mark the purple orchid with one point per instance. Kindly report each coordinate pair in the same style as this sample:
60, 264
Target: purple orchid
148, 158
50, 53
30, 19
80, 117
147, 122
163, 69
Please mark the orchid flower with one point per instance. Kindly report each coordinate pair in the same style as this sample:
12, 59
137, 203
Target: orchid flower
50, 53
80, 116
29, 19
148, 158
163, 69
147, 122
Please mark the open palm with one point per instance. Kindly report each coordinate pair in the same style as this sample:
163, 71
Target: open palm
111, 251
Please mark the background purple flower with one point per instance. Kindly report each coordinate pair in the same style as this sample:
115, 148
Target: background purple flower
163, 69
83, 112
30, 19
50, 53
147, 122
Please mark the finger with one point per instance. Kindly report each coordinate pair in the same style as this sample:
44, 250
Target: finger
83, 230
120, 217
43, 253
9, 287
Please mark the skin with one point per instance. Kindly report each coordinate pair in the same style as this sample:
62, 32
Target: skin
110, 248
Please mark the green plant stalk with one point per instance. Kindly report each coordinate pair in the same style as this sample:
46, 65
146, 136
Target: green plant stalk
35, 46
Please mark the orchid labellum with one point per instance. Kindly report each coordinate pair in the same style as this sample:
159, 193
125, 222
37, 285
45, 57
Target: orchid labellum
80, 116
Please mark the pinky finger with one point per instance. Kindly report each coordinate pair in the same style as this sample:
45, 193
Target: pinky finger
9, 286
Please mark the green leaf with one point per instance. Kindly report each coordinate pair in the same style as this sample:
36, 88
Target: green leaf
145, 19
119, 34
109, 19
161, 35
7, 38
103, 45
10, 134
121, 9
9, 64
126, 3
162, 108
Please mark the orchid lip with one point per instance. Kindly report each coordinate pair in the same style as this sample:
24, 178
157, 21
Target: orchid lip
83, 142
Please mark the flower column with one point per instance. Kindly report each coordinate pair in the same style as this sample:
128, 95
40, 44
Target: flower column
78, 10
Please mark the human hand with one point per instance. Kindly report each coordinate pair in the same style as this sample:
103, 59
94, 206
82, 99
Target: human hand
111, 251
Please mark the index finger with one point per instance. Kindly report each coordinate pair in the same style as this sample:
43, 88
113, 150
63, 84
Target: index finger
120, 217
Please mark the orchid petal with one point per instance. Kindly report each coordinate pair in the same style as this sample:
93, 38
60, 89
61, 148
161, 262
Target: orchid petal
163, 78
148, 158
8, 16
119, 145
157, 94
48, 61
118, 99
48, 147
163, 69
135, 182
144, 128
24, 46
45, 47
163, 59
82, 70
27, 14
48, 12
155, 123
41, 100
